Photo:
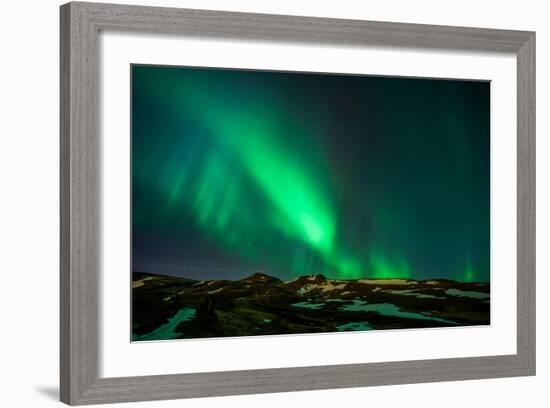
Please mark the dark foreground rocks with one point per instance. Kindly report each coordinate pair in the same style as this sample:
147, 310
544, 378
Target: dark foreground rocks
166, 307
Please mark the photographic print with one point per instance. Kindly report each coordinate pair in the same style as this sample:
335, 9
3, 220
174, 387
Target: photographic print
268, 203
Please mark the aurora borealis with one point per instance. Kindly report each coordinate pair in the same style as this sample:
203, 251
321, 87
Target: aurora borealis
237, 171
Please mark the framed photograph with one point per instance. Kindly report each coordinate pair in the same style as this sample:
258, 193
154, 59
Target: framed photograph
312, 203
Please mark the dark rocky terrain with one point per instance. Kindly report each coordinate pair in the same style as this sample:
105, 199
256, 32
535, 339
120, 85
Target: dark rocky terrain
167, 307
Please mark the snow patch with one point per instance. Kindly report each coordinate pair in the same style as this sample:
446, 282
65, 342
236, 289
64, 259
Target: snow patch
307, 305
215, 291
466, 293
141, 282
327, 287
305, 289
387, 282
413, 292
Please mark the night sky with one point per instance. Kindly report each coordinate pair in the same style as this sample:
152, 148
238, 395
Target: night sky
235, 172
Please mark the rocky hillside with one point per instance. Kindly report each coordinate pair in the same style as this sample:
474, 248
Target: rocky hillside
167, 307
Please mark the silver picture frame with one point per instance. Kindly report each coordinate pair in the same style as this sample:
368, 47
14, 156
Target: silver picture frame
81, 24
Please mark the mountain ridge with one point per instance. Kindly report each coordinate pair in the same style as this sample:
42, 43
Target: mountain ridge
263, 304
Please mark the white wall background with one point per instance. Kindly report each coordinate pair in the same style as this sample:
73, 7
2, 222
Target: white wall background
29, 202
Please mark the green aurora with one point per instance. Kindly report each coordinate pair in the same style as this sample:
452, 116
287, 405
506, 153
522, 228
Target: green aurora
237, 171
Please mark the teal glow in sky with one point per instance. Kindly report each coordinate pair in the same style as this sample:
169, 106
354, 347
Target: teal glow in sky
289, 173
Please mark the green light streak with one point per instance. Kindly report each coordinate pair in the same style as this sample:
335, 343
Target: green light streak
468, 271
252, 141
383, 268
287, 183
249, 173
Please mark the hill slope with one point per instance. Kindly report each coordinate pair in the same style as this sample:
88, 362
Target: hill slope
166, 307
